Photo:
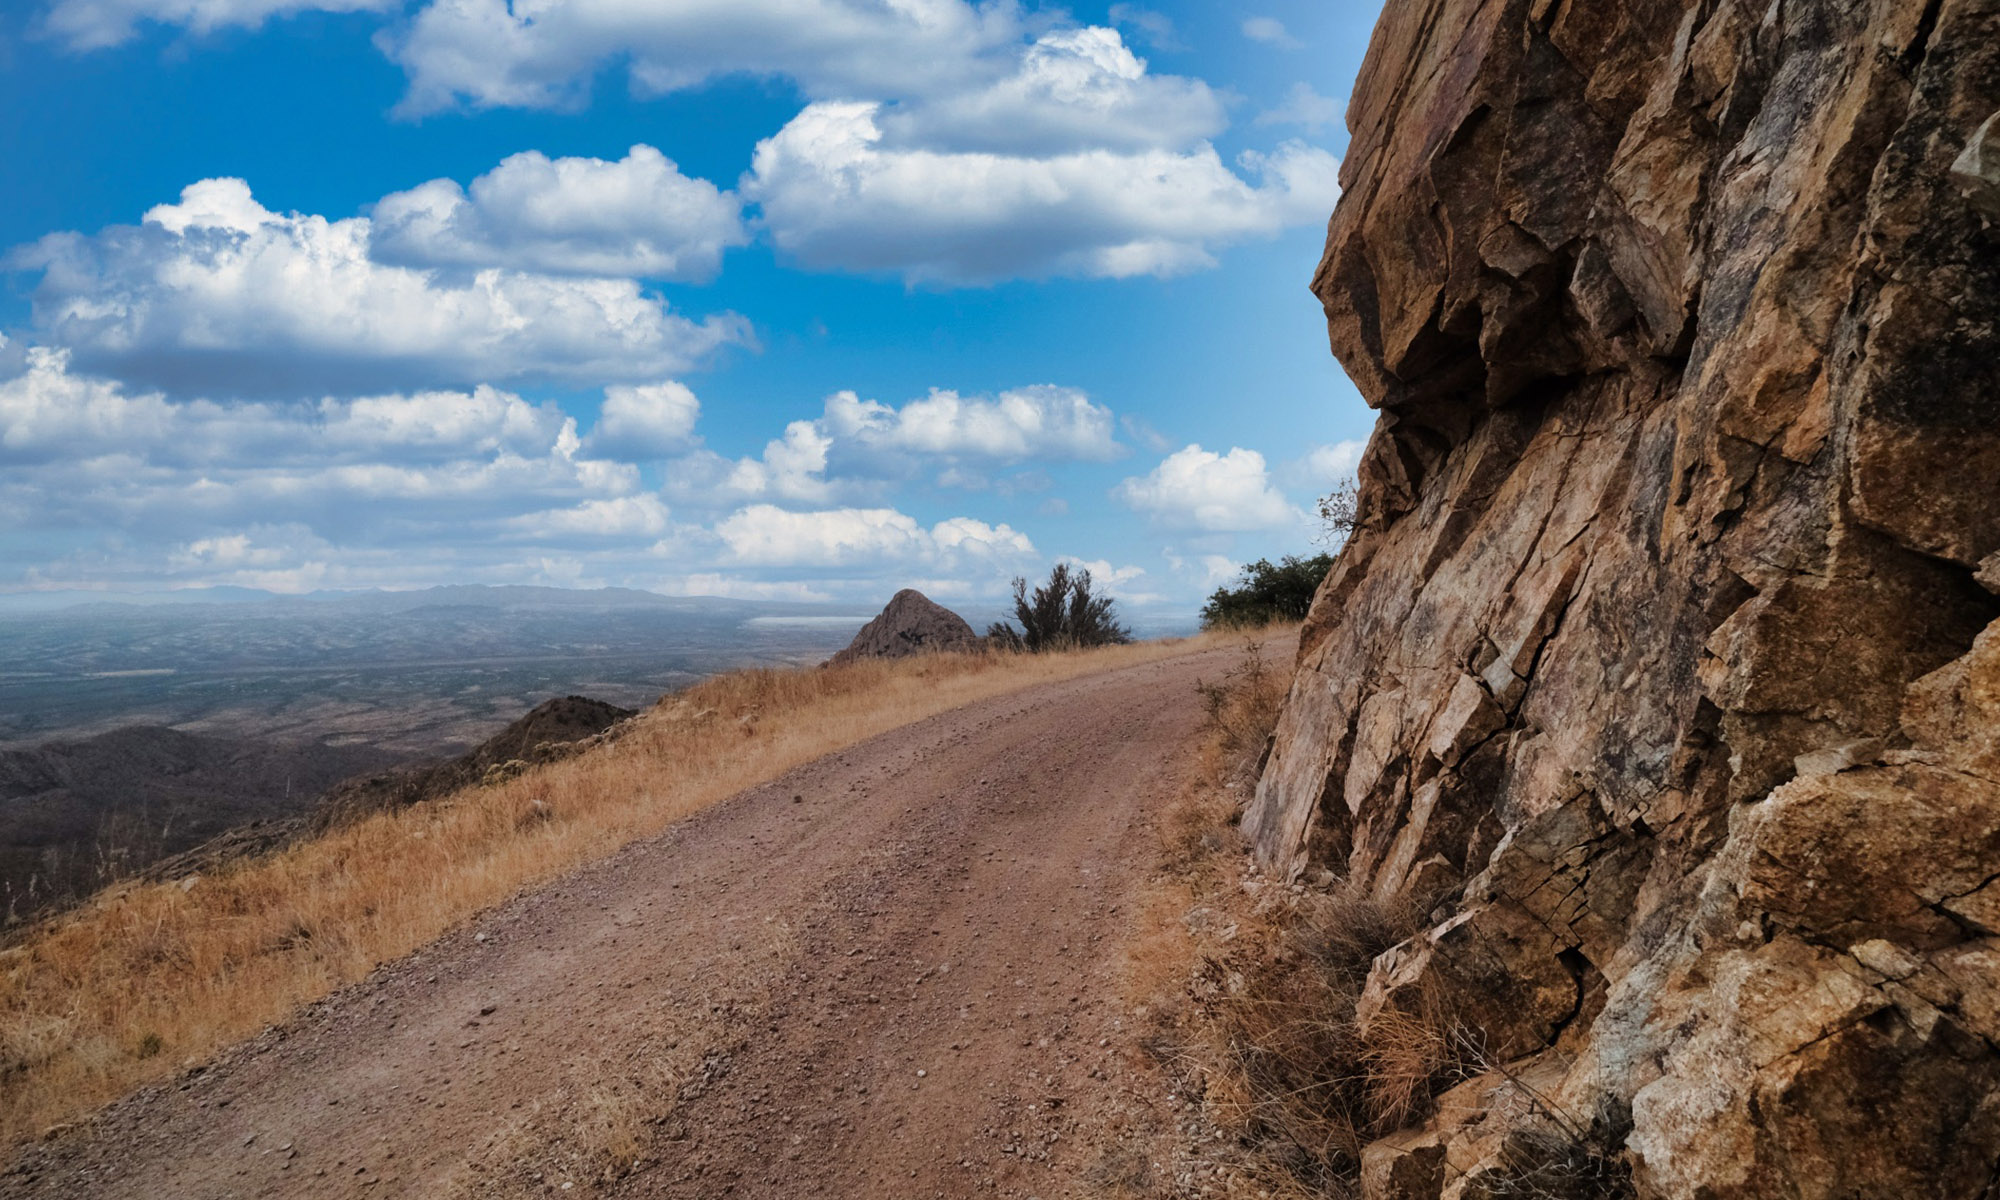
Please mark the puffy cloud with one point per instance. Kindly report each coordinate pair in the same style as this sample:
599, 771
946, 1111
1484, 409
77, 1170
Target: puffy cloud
1197, 489
1042, 422
835, 195
47, 413
1102, 572
946, 142
486, 487
565, 216
793, 467
217, 292
1073, 89
1303, 107
766, 535
1323, 466
647, 421
490, 53
93, 24
83, 451
641, 516
856, 445
1271, 31
483, 421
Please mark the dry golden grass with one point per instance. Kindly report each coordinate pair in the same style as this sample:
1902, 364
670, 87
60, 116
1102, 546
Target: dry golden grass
144, 978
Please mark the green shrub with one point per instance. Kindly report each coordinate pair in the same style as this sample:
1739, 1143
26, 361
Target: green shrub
1064, 613
1267, 592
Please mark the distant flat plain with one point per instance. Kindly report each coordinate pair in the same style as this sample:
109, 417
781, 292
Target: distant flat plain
413, 673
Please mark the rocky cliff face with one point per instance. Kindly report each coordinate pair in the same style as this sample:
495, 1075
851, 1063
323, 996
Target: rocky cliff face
1664, 663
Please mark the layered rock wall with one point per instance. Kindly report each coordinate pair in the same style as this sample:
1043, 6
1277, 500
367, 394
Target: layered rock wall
1663, 663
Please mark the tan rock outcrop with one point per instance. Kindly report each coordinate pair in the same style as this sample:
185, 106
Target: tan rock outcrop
911, 623
1662, 661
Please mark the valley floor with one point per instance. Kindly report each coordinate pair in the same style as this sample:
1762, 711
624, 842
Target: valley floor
892, 972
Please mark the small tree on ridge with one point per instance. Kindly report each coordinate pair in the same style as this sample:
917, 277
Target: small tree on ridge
1063, 614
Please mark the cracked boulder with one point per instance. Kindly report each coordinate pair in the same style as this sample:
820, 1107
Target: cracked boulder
1662, 667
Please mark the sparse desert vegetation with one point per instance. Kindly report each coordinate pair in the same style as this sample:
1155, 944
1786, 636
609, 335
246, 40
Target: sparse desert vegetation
143, 979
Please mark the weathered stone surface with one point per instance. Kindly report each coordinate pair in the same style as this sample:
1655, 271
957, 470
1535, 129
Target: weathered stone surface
1665, 650
911, 623
1403, 1168
1495, 965
1977, 170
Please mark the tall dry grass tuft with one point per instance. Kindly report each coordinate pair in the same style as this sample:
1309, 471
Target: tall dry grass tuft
144, 978
1255, 983
1241, 711
1288, 1064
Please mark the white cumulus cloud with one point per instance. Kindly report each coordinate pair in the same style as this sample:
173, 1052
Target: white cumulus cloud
645, 421
793, 467
943, 141
1103, 572
218, 292
1322, 466
566, 216
857, 445
766, 535
1072, 89
1041, 422
835, 196
542, 54
640, 516
94, 24
1198, 489
48, 412
84, 452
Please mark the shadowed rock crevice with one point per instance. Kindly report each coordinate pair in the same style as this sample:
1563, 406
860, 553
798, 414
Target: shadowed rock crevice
1662, 661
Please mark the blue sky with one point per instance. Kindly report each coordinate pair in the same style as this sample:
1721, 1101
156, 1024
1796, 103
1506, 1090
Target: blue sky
765, 298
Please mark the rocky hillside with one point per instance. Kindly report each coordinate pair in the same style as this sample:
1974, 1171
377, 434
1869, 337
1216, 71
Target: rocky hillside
75, 815
911, 623
551, 730
1663, 664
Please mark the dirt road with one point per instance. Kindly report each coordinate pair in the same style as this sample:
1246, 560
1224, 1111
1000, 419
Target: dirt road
890, 973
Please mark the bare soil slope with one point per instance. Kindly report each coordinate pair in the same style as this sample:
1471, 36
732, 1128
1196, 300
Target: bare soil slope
889, 973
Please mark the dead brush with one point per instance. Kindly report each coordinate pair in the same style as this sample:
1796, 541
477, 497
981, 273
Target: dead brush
1240, 713
1558, 1161
1554, 1154
1292, 1070
1262, 1019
